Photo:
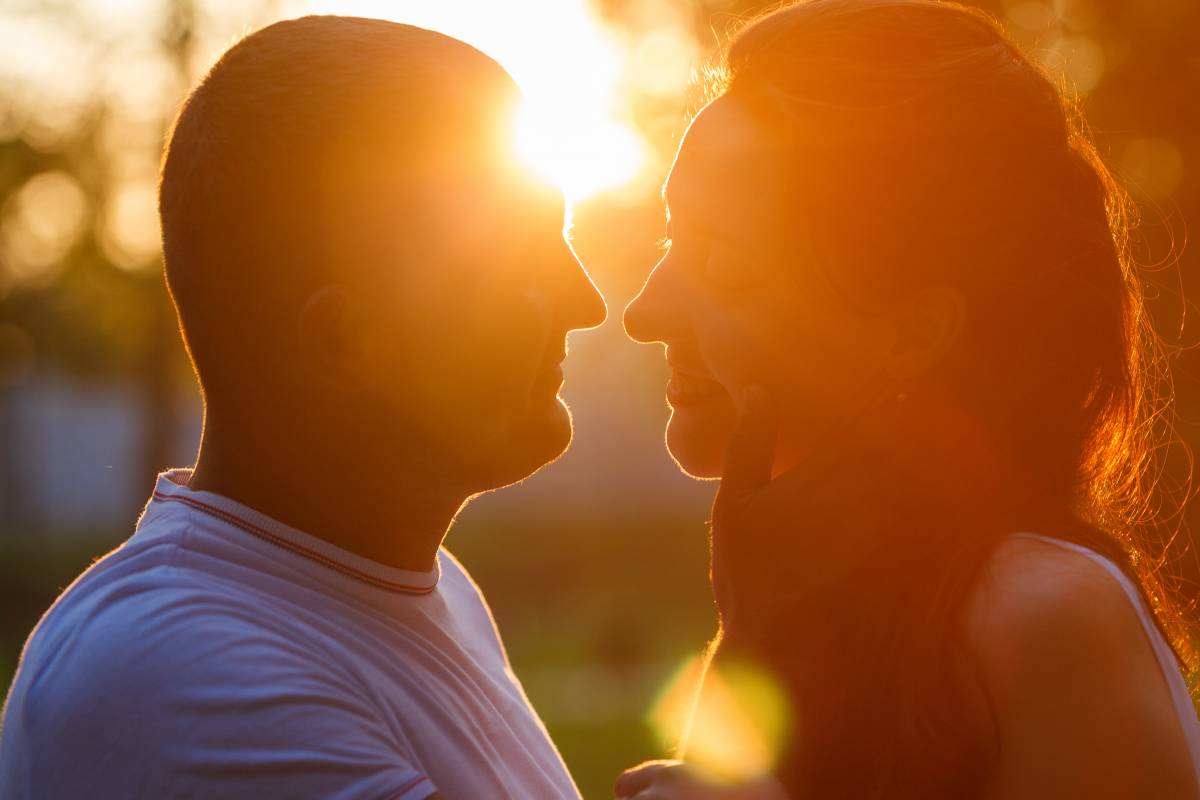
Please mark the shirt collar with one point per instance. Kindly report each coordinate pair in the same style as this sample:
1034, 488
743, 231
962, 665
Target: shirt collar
171, 490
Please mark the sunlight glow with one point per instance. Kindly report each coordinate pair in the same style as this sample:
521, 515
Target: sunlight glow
734, 728
582, 161
569, 67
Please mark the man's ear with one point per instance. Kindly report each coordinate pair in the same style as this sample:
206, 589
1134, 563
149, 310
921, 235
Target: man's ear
334, 339
928, 324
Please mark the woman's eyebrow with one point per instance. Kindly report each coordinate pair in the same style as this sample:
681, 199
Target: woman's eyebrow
694, 214
705, 225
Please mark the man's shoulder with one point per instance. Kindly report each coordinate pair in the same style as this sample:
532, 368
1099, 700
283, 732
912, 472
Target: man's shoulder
140, 581
180, 657
454, 573
135, 618
139, 625
150, 677
456, 583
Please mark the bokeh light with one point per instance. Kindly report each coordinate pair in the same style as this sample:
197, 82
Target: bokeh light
1080, 59
1060, 33
130, 231
40, 224
1031, 15
1079, 15
1153, 167
734, 727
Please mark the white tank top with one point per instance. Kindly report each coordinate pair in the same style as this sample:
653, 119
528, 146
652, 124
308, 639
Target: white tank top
1184, 709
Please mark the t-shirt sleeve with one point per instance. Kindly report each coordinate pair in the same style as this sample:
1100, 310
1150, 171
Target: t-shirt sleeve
194, 704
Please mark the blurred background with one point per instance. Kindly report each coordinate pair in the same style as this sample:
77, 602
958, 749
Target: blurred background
596, 567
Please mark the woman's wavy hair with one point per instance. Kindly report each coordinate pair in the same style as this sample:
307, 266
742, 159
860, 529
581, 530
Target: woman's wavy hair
924, 146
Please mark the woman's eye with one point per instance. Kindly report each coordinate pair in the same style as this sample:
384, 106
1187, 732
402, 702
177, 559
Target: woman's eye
724, 271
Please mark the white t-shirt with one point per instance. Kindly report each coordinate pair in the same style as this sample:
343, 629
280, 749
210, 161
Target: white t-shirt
221, 654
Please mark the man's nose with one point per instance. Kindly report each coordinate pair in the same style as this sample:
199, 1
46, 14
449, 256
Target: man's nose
582, 305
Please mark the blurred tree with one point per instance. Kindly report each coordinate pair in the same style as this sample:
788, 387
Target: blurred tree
19, 161
81, 288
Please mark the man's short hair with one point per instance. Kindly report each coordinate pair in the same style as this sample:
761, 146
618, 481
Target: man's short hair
306, 138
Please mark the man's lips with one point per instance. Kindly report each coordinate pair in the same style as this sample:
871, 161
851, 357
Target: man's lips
551, 373
553, 363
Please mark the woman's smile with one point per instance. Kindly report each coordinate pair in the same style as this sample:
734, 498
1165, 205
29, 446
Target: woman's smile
690, 383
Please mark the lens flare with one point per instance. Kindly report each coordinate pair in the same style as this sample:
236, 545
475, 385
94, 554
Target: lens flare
582, 161
569, 68
730, 721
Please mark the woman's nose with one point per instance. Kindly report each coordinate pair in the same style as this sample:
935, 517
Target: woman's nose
648, 316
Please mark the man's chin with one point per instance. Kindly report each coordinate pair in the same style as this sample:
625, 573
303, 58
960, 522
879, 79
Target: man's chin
536, 444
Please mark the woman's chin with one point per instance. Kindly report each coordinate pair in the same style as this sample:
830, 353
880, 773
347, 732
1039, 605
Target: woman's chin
700, 454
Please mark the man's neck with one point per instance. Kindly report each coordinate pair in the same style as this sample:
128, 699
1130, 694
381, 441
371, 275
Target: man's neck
373, 508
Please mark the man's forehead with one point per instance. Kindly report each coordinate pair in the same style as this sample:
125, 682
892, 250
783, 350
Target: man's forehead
448, 211
469, 206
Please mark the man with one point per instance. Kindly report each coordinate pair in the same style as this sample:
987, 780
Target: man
376, 304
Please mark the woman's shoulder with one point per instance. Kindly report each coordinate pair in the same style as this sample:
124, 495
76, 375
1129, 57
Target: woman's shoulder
1033, 583
1042, 611
1063, 654
1041, 599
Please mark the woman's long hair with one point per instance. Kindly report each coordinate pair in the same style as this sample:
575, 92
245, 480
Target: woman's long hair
923, 146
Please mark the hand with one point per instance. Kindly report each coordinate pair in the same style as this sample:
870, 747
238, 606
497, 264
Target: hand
675, 780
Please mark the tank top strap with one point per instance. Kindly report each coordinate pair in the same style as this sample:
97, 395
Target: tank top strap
1184, 708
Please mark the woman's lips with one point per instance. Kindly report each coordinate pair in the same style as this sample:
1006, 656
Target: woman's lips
686, 388
551, 378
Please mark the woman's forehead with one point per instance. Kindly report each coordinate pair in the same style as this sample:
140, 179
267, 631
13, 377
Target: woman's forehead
724, 163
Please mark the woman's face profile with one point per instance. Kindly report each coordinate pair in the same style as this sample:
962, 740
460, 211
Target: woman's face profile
735, 305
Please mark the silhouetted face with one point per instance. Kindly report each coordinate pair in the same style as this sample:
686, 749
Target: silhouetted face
473, 328
736, 303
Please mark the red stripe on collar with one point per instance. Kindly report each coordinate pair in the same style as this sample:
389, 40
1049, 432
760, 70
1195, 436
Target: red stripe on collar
299, 549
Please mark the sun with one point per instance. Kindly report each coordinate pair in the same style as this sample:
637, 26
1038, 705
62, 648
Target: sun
582, 159
569, 69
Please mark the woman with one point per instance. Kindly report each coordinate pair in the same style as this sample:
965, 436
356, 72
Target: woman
903, 323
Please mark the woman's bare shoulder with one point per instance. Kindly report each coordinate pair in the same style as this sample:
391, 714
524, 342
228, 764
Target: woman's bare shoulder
1032, 584
1075, 688
1037, 600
